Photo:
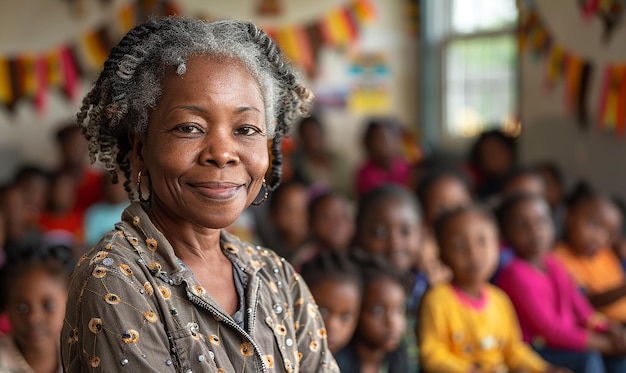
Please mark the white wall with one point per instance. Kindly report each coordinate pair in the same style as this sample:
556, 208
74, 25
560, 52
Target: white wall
28, 137
549, 132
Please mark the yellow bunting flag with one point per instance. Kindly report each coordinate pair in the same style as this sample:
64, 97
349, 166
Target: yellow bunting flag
288, 42
554, 65
94, 48
54, 69
6, 93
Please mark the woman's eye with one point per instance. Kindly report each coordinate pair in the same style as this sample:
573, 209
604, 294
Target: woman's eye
188, 129
248, 130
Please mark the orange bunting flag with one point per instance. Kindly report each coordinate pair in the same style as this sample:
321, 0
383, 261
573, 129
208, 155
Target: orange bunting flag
26, 81
6, 93
127, 17
621, 104
612, 112
305, 52
573, 76
95, 49
364, 10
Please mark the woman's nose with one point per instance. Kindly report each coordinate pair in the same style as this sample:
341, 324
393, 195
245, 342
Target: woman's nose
220, 149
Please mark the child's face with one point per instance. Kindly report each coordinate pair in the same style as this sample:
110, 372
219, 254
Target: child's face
529, 229
383, 144
62, 193
392, 230
495, 157
526, 184
291, 215
554, 190
332, 223
339, 303
36, 307
470, 248
382, 321
586, 229
613, 220
446, 194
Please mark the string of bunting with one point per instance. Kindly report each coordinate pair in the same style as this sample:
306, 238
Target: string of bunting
31, 76
564, 66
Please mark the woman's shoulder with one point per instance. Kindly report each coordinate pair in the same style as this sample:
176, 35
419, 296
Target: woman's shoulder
114, 252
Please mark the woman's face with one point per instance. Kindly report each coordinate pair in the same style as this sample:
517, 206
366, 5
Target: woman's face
36, 307
392, 229
339, 303
206, 145
383, 321
529, 229
470, 248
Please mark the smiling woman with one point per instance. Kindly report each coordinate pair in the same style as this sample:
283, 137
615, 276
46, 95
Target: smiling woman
185, 108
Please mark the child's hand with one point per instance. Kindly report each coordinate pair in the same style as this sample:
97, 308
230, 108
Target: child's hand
474, 369
554, 369
618, 338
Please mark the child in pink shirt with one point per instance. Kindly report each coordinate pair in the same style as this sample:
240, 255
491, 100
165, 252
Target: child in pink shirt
554, 316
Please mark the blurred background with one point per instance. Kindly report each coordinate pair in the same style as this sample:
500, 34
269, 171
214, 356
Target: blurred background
549, 72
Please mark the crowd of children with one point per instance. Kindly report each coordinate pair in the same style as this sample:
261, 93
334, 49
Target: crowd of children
477, 265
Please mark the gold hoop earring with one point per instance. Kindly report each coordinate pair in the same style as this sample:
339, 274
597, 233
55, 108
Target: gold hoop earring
266, 193
139, 193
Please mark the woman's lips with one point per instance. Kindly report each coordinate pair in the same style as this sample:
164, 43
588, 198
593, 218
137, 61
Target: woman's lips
217, 191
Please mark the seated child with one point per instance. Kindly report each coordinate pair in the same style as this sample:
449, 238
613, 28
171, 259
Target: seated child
554, 316
101, 217
439, 191
388, 224
60, 218
331, 227
289, 217
470, 325
34, 292
555, 192
586, 254
376, 346
613, 216
384, 161
335, 282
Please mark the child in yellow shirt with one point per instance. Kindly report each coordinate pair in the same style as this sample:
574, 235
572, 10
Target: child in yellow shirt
468, 325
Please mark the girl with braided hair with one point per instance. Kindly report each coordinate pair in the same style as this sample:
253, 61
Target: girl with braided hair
185, 108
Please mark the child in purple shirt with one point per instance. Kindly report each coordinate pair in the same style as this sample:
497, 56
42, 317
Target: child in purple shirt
555, 318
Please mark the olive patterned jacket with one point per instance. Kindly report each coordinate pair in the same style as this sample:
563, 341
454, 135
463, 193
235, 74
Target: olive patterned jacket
134, 306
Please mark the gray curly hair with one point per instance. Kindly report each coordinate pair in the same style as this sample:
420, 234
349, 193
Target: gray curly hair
130, 84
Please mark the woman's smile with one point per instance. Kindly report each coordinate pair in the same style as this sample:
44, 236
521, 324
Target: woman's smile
217, 190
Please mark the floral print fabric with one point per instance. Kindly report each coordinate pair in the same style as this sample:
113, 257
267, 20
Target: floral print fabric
134, 306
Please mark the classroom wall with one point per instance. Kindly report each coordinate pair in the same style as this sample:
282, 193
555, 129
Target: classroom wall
26, 136
549, 130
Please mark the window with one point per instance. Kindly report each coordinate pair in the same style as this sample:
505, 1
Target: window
473, 48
